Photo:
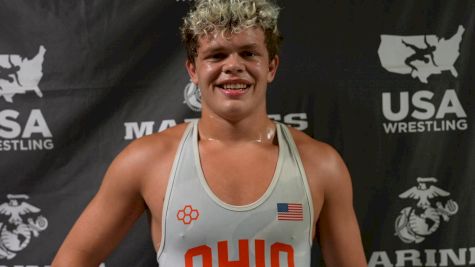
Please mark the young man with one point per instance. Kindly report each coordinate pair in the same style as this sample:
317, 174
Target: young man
234, 188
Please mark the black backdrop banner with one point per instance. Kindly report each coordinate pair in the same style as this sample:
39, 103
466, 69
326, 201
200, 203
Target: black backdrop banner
388, 83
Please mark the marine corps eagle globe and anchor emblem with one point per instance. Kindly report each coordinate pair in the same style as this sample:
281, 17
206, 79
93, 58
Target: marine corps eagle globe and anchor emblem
415, 223
15, 233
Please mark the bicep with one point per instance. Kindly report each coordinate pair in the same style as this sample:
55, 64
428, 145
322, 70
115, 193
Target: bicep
107, 218
338, 230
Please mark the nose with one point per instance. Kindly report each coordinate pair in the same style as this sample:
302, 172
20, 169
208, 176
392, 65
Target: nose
233, 64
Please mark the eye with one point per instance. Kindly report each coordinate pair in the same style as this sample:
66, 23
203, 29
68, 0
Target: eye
248, 54
217, 56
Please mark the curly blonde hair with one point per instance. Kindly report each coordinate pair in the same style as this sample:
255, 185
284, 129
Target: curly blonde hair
230, 17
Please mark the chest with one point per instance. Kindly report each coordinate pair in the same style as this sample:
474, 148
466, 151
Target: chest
203, 229
240, 174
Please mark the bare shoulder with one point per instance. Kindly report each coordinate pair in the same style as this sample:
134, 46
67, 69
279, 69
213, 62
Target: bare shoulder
323, 164
148, 147
147, 154
319, 153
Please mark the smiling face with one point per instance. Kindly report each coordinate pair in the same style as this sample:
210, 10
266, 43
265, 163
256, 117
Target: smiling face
232, 72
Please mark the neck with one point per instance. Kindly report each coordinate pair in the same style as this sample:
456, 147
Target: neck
257, 128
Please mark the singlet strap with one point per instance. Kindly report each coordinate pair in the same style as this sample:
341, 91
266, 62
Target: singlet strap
171, 180
296, 155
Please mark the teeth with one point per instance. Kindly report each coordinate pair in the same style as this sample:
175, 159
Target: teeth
235, 86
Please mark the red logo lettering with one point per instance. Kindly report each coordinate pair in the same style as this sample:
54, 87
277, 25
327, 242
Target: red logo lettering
275, 249
243, 254
259, 246
244, 259
203, 251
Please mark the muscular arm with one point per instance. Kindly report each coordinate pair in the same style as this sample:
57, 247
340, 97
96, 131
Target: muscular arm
108, 217
338, 231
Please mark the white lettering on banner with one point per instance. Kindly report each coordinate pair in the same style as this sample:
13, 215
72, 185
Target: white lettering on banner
425, 126
426, 258
426, 115
11, 125
411, 256
34, 135
26, 144
36, 123
134, 130
450, 104
297, 120
167, 124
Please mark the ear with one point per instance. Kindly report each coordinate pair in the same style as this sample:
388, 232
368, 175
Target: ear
191, 68
273, 65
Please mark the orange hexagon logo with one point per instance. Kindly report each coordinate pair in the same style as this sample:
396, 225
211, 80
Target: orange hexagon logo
187, 214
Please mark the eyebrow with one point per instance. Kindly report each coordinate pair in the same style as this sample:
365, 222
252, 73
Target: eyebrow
219, 48
249, 46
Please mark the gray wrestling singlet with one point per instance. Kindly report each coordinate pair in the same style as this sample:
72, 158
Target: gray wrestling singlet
200, 230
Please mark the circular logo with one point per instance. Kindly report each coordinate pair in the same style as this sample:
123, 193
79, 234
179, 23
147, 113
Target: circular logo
192, 97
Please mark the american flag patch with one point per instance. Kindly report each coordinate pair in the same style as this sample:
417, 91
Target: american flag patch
289, 212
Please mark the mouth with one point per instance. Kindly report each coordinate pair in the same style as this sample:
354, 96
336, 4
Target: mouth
234, 89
